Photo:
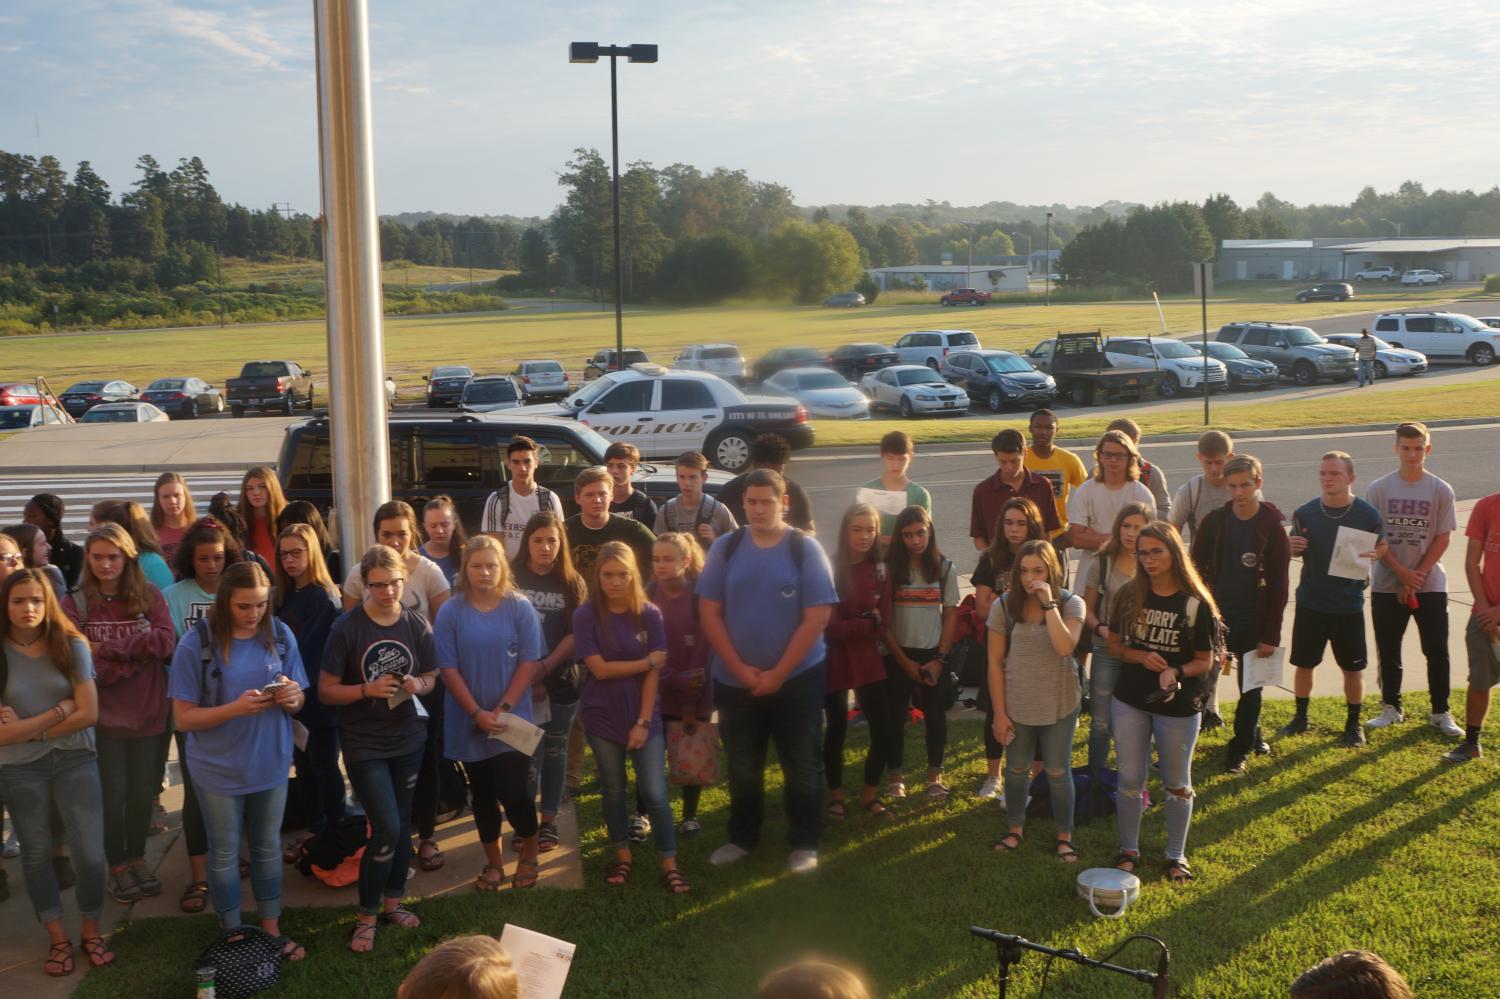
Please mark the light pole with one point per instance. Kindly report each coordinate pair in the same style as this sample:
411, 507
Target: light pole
1393, 225
590, 52
1047, 264
969, 269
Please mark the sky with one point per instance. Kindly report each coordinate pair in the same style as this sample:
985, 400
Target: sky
476, 108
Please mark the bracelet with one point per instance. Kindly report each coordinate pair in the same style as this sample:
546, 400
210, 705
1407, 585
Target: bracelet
1049, 605
62, 715
643, 723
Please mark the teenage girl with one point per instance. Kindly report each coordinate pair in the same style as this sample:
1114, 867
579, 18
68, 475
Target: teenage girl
303, 512
46, 510
172, 512
1109, 572
261, 502
132, 517
36, 554
445, 535
687, 696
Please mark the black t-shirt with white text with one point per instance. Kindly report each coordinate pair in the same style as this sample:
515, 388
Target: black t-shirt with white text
360, 650
1162, 627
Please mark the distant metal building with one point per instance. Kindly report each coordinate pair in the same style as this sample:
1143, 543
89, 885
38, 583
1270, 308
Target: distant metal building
945, 277
1326, 259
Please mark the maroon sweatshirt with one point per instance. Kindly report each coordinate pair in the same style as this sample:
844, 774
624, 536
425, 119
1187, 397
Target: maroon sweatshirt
853, 649
130, 656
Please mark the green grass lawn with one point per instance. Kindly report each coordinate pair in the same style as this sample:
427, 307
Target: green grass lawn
1317, 850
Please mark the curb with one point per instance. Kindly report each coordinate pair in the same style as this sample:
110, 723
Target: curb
213, 466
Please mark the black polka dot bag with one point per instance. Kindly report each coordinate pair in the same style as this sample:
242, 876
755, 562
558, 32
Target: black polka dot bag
245, 960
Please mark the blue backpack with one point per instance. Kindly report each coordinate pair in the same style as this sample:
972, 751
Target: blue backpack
212, 677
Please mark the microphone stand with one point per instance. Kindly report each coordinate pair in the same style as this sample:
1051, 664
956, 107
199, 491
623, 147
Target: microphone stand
1009, 948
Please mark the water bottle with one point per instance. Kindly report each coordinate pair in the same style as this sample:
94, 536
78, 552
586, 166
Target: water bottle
205, 976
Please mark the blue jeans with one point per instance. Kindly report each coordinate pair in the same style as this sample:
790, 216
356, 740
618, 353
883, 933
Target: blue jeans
1366, 373
385, 788
793, 717
551, 759
1056, 742
70, 778
1175, 738
649, 763
259, 816
1104, 673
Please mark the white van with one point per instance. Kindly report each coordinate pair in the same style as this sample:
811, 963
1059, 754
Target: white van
1442, 336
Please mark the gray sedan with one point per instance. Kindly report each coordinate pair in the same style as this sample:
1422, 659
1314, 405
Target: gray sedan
914, 390
823, 393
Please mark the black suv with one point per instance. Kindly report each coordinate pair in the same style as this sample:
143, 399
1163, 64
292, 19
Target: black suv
462, 456
1328, 291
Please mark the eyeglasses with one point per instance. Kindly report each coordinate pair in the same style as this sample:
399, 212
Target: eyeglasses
12, 558
1145, 553
291, 552
1113, 455
392, 586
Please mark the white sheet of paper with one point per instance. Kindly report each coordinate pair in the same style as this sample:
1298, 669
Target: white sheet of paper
887, 501
1347, 546
1264, 671
299, 735
541, 962
519, 734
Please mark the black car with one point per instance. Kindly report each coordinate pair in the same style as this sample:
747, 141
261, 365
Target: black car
998, 378
463, 456
183, 398
84, 396
1245, 372
445, 385
1328, 291
855, 360
605, 361
788, 357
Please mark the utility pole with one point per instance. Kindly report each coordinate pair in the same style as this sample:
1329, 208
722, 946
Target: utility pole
1047, 264
219, 271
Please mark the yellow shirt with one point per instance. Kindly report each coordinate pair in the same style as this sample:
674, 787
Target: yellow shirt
1066, 473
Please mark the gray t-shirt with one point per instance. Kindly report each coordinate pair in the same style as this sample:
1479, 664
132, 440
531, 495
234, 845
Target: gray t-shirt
360, 650
1113, 584
33, 686
1195, 501
672, 517
1414, 513
1041, 686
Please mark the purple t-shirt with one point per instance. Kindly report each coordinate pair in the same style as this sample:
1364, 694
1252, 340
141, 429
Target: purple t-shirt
687, 656
610, 708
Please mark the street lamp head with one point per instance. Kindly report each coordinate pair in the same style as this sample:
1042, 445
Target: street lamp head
584, 52
642, 53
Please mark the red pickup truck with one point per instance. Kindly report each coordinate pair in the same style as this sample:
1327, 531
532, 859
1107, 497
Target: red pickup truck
965, 296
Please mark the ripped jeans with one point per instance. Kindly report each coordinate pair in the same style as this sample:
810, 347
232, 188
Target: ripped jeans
1104, 673
1056, 744
385, 788
1134, 730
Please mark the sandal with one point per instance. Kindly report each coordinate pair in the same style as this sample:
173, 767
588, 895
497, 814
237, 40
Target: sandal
1179, 873
675, 883
291, 950
1010, 841
485, 883
429, 861
194, 898
527, 880
362, 937
401, 916
837, 810
546, 837
59, 960
1133, 859
1065, 851
879, 811
98, 953
617, 874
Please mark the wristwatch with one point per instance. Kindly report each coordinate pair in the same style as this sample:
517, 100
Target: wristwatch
1049, 605
643, 722
505, 707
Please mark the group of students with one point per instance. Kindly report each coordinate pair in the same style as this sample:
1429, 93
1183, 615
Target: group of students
628, 627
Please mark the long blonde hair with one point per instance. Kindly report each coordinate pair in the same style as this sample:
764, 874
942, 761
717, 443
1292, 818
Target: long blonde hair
617, 551
687, 546
57, 628
1130, 603
505, 583
135, 591
275, 499
285, 584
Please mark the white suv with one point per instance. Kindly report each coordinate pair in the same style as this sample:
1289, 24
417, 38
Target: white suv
722, 359
1183, 366
1380, 272
929, 347
1442, 336
1421, 277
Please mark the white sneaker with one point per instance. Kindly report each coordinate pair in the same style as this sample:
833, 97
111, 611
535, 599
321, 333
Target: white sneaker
802, 861
1389, 715
728, 854
1445, 724
12, 847
990, 788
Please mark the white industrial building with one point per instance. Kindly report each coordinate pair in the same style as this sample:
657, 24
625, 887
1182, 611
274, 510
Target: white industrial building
1325, 259
945, 277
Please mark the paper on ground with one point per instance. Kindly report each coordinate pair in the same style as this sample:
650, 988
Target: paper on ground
519, 734
541, 962
1346, 562
1264, 672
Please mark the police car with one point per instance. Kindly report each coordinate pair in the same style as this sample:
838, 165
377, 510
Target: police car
666, 412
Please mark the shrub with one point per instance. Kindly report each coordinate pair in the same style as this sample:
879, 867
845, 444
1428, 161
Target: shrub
1492, 284
867, 287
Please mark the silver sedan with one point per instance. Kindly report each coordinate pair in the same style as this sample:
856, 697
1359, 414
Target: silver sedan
914, 390
823, 393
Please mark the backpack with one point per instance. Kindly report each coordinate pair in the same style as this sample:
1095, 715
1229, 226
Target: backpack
209, 662
1222, 658
543, 504
332, 856
799, 538
705, 514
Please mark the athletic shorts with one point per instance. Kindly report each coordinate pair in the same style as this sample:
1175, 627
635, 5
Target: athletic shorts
1484, 668
1313, 631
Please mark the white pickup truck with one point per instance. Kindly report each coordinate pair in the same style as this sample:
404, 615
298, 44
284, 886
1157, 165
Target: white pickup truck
1382, 272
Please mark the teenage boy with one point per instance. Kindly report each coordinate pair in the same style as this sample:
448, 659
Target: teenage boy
771, 452
692, 511
620, 461
1242, 553
1409, 578
507, 510
1057, 465
765, 597
1152, 477
1330, 609
1364, 354
1092, 506
893, 491
1482, 637
593, 524
1206, 492
1011, 479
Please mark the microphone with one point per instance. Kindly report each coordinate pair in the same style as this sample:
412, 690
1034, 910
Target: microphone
1161, 975
993, 936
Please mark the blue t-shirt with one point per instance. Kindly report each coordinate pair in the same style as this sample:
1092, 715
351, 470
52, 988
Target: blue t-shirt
156, 571
448, 563
1317, 590
188, 602
764, 597
485, 648
246, 754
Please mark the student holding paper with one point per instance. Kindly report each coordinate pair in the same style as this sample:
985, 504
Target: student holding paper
1242, 553
620, 638
1330, 609
489, 647
893, 492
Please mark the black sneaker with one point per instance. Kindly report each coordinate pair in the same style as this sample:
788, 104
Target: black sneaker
1354, 735
1262, 747
1463, 752
1297, 726
1235, 764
